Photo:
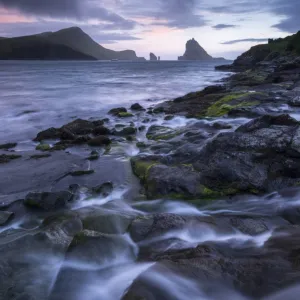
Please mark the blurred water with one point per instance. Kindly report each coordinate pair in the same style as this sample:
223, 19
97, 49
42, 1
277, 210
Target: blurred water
37, 95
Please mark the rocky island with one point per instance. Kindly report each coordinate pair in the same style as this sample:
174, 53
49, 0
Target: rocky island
66, 44
226, 214
193, 51
153, 57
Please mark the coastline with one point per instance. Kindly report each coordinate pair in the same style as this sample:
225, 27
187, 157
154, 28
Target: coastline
228, 141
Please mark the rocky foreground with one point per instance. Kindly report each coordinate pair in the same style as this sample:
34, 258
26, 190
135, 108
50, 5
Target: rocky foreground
235, 157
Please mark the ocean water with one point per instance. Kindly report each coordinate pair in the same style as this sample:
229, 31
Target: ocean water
36, 95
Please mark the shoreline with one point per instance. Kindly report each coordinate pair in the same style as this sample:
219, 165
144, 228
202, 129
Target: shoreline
220, 165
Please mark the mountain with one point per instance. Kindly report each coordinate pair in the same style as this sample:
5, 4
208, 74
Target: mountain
265, 53
153, 57
35, 48
69, 43
193, 51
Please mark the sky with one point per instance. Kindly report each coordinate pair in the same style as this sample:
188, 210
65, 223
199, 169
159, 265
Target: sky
223, 27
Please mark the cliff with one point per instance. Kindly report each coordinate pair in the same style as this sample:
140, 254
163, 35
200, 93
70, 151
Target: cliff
69, 43
194, 52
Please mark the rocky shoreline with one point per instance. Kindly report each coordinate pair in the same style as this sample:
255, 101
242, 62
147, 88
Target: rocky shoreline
229, 153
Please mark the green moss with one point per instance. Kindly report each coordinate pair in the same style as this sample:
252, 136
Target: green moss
82, 172
125, 115
141, 145
141, 168
222, 107
43, 147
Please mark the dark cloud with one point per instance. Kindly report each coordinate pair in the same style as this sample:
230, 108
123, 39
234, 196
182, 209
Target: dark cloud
224, 26
290, 9
26, 28
170, 13
70, 9
251, 40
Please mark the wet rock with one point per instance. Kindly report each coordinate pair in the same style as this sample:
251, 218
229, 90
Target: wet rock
156, 132
168, 117
126, 131
147, 227
43, 147
116, 111
295, 102
260, 156
136, 106
40, 156
8, 146
5, 217
81, 173
221, 125
175, 182
125, 115
48, 134
48, 201
99, 141
101, 130
94, 155
141, 145
105, 189
80, 140
79, 127
66, 134
6, 158
107, 222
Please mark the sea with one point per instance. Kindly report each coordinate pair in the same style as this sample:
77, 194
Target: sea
35, 95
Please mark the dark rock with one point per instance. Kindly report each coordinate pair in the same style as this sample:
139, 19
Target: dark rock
79, 127
221, 125
194, 52
66, 134
48, 134
81, 173
80, 140
153, 57
94, 155
168, 118
108, 222
39, 156
147, 227
156, 132
116, 111
127, 131
105, 189
99, 141
8, 146
5, 217
295, 102
101, 130
6, 158
136, 106
48, 201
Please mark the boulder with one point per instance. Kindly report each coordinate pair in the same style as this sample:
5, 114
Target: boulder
48, 201
116, 111
5, 217
104, 189
101, 130
153, 57
126, 131
8, 146
48, 134
79, 127
136, 106
100, 140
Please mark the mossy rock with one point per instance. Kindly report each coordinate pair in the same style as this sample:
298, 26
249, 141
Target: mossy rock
125, 115
228, 103
39, 156
157, 133
141, 167
4, 158
43, 147
8, 146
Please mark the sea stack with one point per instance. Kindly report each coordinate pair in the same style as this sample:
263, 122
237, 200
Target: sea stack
193, 51
153, 57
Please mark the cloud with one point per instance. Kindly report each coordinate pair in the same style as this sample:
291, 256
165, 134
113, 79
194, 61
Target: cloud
251, 40
180, 14
80, 10
224, 26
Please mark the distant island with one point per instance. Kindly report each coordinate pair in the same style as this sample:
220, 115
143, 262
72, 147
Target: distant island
193, 51
66, 44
